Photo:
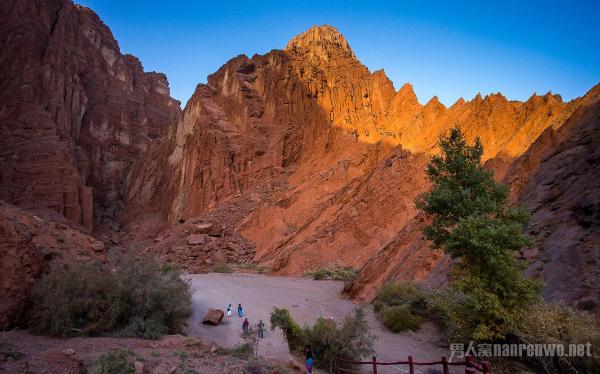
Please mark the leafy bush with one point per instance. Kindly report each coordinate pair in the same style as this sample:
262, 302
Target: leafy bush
468, 311
448, 306
84, 299
556, 323
115, 362
222, 268
340, 274
394, 294
139, 299
400, 318
154, 302
351, 339
400, 306
143, 328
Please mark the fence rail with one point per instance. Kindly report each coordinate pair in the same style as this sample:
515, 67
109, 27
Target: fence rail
470, 364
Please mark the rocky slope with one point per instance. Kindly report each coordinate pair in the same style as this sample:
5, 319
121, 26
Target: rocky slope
558, 178
74, 111
29, 246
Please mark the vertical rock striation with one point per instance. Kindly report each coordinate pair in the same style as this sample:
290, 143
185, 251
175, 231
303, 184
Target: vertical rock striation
74, 111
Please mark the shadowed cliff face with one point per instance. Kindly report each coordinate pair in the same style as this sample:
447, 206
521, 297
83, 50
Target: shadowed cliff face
74, 111
29, 247
334, 155
558, 178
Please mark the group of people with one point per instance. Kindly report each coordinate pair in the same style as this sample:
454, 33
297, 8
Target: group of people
246, 324
240, 310
261, 334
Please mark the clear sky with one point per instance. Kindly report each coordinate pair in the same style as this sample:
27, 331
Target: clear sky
449, 49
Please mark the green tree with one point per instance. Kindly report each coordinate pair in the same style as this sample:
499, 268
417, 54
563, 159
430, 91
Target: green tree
472, 223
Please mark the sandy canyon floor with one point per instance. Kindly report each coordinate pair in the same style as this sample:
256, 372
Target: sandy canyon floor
306, 299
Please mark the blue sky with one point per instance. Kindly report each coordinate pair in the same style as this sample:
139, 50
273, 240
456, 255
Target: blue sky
449, 49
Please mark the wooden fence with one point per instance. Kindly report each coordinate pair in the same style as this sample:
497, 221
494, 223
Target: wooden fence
470, 364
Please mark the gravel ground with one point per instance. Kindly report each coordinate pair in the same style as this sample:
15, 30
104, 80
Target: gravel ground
306, 299
45, 355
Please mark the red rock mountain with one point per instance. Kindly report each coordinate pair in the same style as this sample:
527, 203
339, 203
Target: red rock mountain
74, 111
297, 159
334, 157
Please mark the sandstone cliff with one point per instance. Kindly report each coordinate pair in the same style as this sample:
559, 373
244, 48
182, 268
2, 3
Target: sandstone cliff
74, 111
335, 153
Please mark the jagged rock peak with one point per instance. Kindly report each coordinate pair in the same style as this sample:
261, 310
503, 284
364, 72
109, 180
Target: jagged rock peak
407, 89
495, 99
458, 103
407, 92
320, 41
434, 101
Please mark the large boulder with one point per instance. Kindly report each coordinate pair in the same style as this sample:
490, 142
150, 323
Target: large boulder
216, 231
203, 228
213, 317
196, 239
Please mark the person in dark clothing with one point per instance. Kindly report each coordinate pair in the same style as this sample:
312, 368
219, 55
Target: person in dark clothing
245, 326
310, 359
261, 329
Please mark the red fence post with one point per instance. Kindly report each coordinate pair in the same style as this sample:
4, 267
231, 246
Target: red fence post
411, 368
445, 364
487, 368
469, 369
374, 365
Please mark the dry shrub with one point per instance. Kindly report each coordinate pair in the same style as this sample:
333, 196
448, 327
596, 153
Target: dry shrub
400, 318
139, 299
340, 274
114, 362
548, 323
400, 306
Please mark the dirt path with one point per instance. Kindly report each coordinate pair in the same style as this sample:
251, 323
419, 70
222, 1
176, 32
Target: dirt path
306, 299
